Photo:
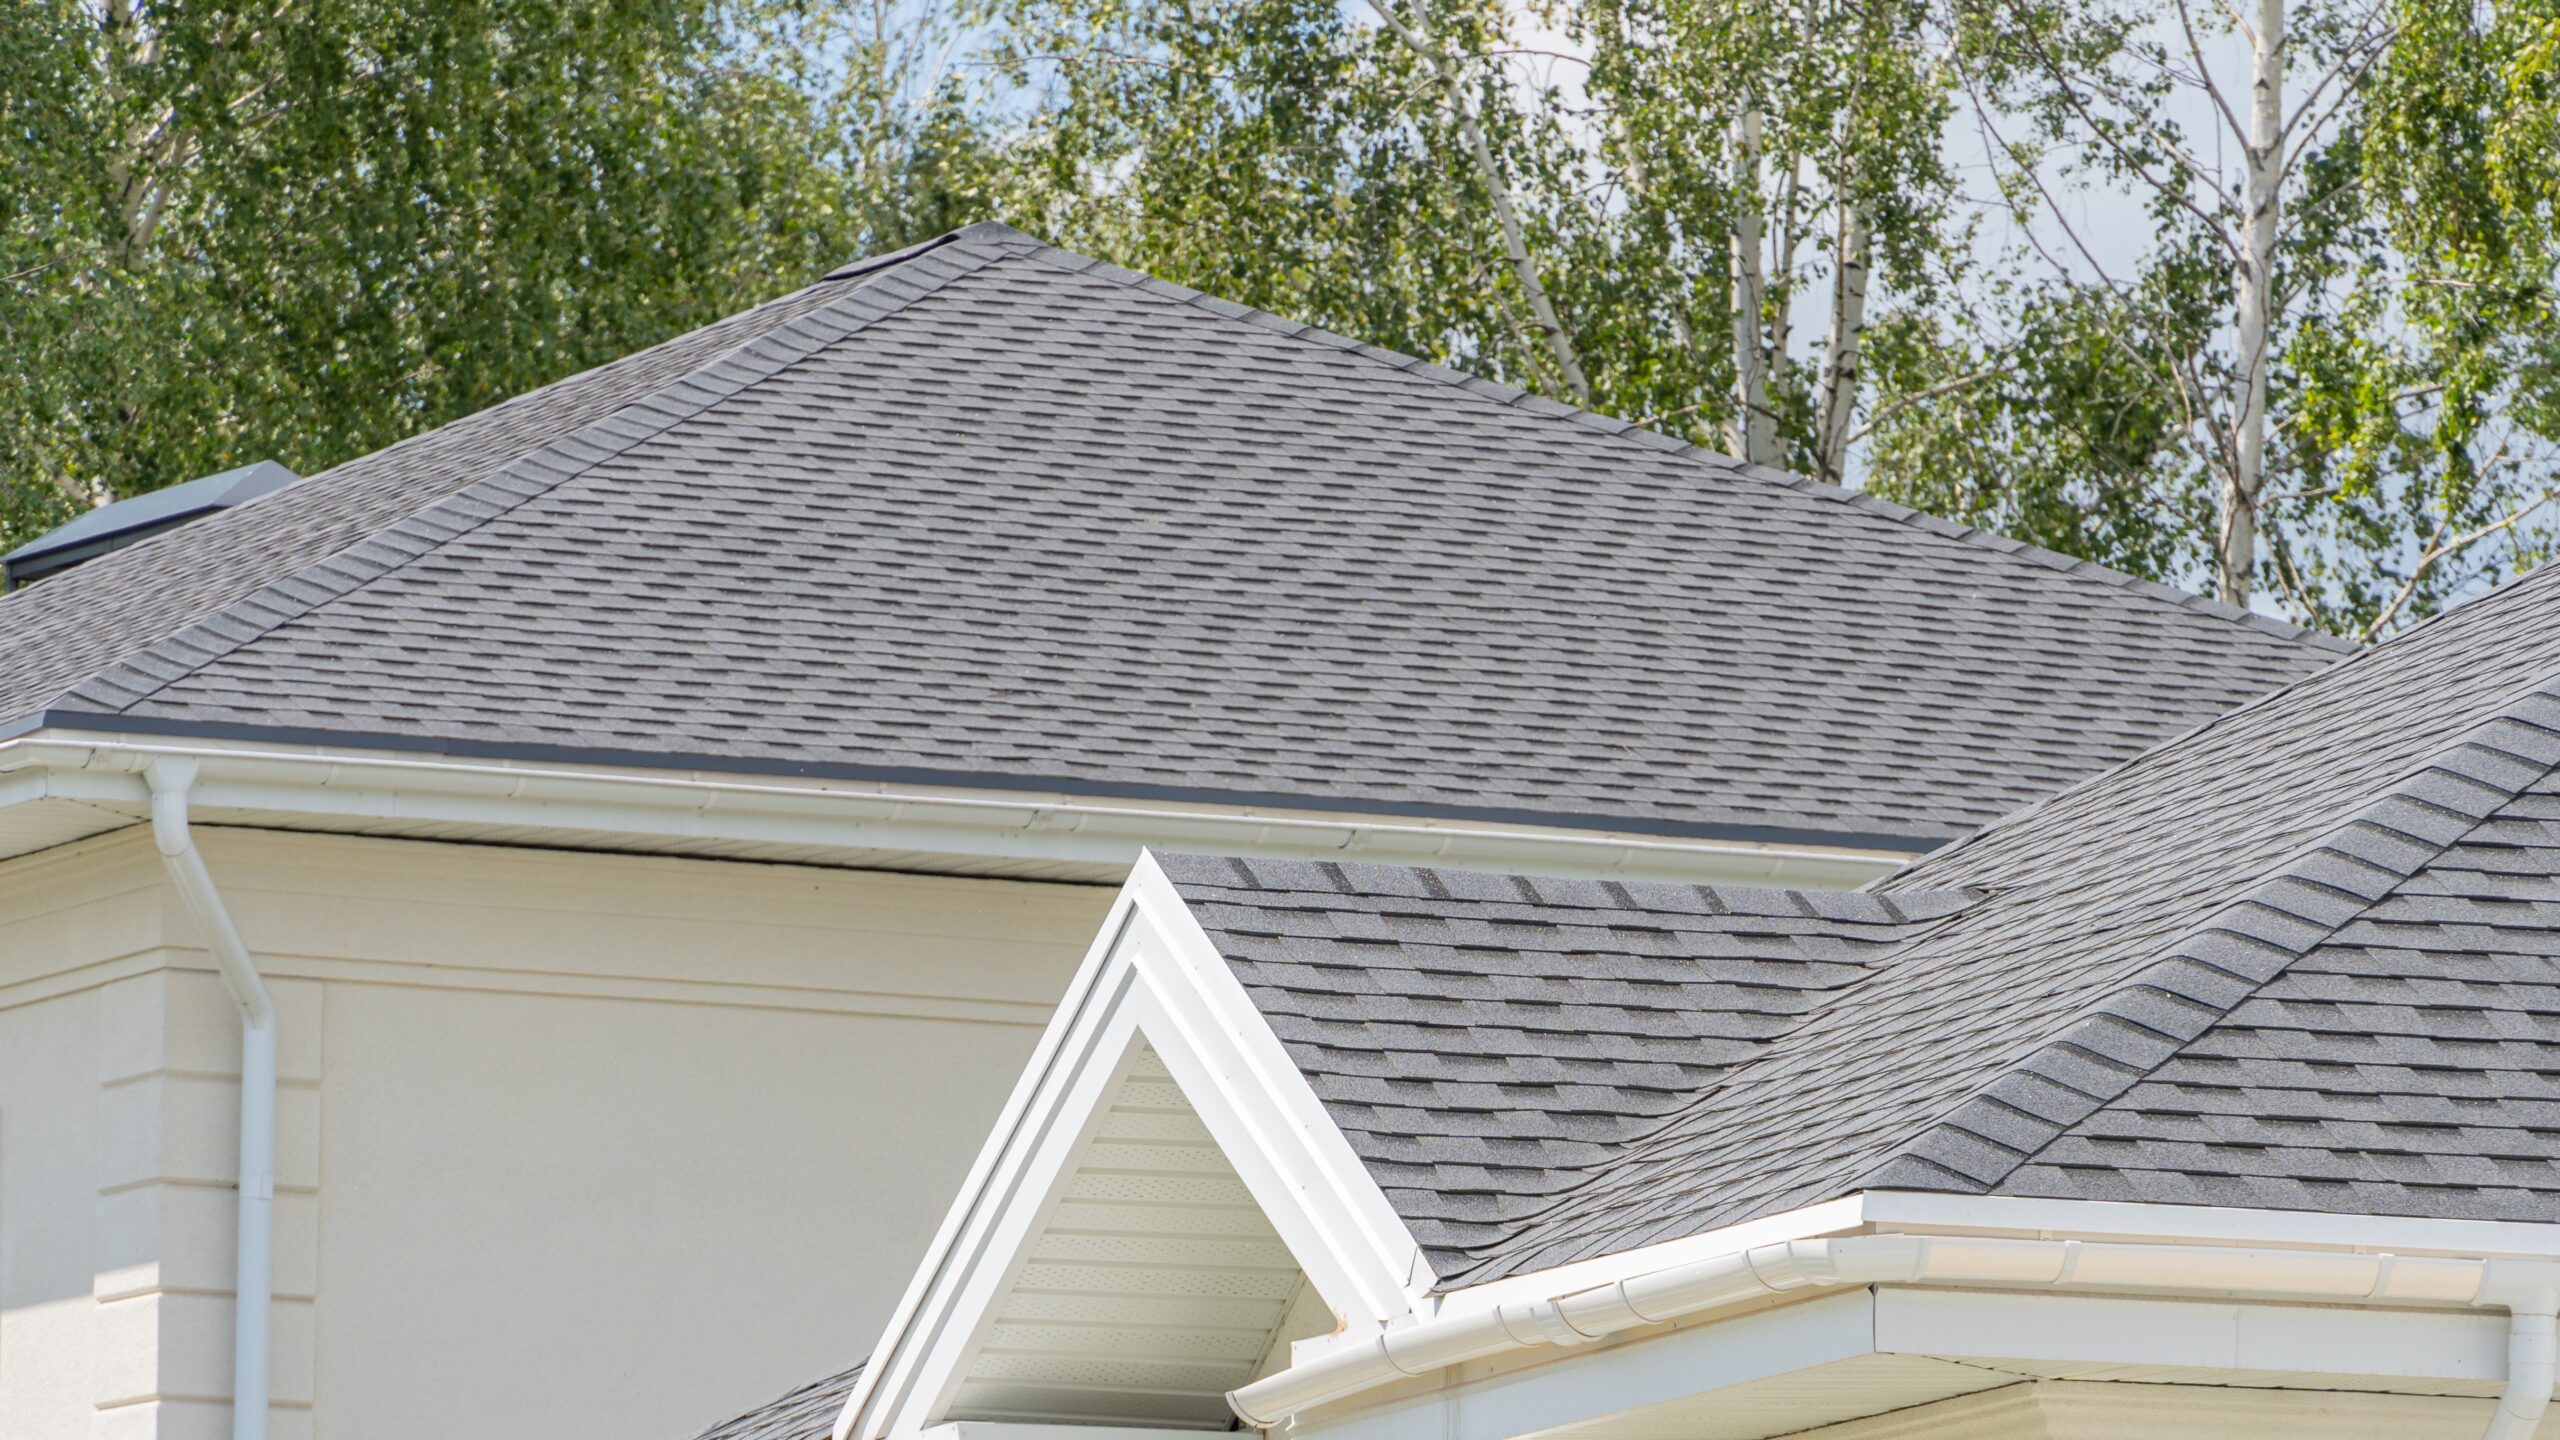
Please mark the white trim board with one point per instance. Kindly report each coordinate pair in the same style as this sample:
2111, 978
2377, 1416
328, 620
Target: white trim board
817, 821
1152, 983
1816, 1362
1917, 1212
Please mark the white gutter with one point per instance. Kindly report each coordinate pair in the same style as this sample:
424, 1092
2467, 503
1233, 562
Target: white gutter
254, 1287
2527, 1289
356, 788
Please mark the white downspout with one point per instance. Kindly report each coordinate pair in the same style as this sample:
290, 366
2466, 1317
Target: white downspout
2532, 1300
170, 779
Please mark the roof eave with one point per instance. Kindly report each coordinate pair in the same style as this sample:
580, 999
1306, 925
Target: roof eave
875, 817
1948, 1241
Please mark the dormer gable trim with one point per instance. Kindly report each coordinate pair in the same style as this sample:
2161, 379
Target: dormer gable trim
1152, 983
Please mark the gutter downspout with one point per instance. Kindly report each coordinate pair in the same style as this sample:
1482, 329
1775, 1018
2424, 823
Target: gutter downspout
254, 1288
2532, 1300
2528, 1290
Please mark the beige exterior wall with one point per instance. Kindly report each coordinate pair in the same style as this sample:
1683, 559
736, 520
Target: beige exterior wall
569, 1145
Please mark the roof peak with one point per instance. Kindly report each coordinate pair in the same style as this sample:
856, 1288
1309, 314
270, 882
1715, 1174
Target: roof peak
1048, 396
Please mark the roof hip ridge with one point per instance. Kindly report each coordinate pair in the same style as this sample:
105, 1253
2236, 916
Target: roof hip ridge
2195, 977
1517, 398
1955, 851
143, 673
2228, 961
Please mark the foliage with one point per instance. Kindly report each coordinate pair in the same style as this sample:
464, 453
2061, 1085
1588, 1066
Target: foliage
2410, 454
243, 230
1984, 256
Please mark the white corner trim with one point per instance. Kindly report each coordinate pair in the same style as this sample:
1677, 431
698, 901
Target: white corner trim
1149, 980
341, 786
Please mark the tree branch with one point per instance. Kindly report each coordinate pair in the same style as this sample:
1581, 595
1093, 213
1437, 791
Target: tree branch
1524, 266
2439, 549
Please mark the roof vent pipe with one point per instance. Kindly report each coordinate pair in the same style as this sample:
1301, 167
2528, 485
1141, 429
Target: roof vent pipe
254, 1285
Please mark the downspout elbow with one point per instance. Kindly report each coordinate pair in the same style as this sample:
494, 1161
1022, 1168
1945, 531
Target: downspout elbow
171, 780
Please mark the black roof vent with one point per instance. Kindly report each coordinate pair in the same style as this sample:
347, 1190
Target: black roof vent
112, 527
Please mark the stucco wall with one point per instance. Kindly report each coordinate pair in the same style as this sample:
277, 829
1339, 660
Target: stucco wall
570, 1145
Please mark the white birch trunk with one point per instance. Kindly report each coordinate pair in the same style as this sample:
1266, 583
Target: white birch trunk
2237, 544
1848, 331
1754, 432
1524, 266
1779, 283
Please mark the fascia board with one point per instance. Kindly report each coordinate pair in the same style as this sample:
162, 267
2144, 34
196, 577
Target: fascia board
2214, 1341
1584, 1384
1845, 1216
1923, 1212
1019, 1211
2007, 1336
1134, 986
354, 786
26, 787
1080, 1011
1916, 1212
1018, 1430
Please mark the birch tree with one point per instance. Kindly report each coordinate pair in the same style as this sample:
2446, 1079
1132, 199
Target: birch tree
2362, 416
1830, 116
1680, 217
1525, 269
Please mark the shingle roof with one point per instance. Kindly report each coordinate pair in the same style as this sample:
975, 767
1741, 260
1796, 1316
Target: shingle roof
808, 1413
988, 512
2307, 957
124, 522
1484, 1039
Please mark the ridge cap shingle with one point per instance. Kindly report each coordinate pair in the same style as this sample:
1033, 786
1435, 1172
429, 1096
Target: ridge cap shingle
2232, 941
2542, 692
2193, 947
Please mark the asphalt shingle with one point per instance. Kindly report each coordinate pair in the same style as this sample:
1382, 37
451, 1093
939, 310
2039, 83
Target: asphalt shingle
1485, 1040
807, 1413
990, 513
2307, 957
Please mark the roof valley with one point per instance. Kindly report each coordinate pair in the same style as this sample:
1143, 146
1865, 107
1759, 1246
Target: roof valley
2140, 1009
2253, 941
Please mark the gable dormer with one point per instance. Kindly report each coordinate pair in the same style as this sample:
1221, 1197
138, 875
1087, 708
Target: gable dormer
1165, 1213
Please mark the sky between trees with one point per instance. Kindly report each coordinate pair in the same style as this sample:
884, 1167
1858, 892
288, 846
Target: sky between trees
2253, 296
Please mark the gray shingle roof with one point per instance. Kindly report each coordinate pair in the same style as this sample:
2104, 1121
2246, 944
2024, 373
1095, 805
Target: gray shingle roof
988, 512
126, 521
2307, 957
808, 1413
1484, 1039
